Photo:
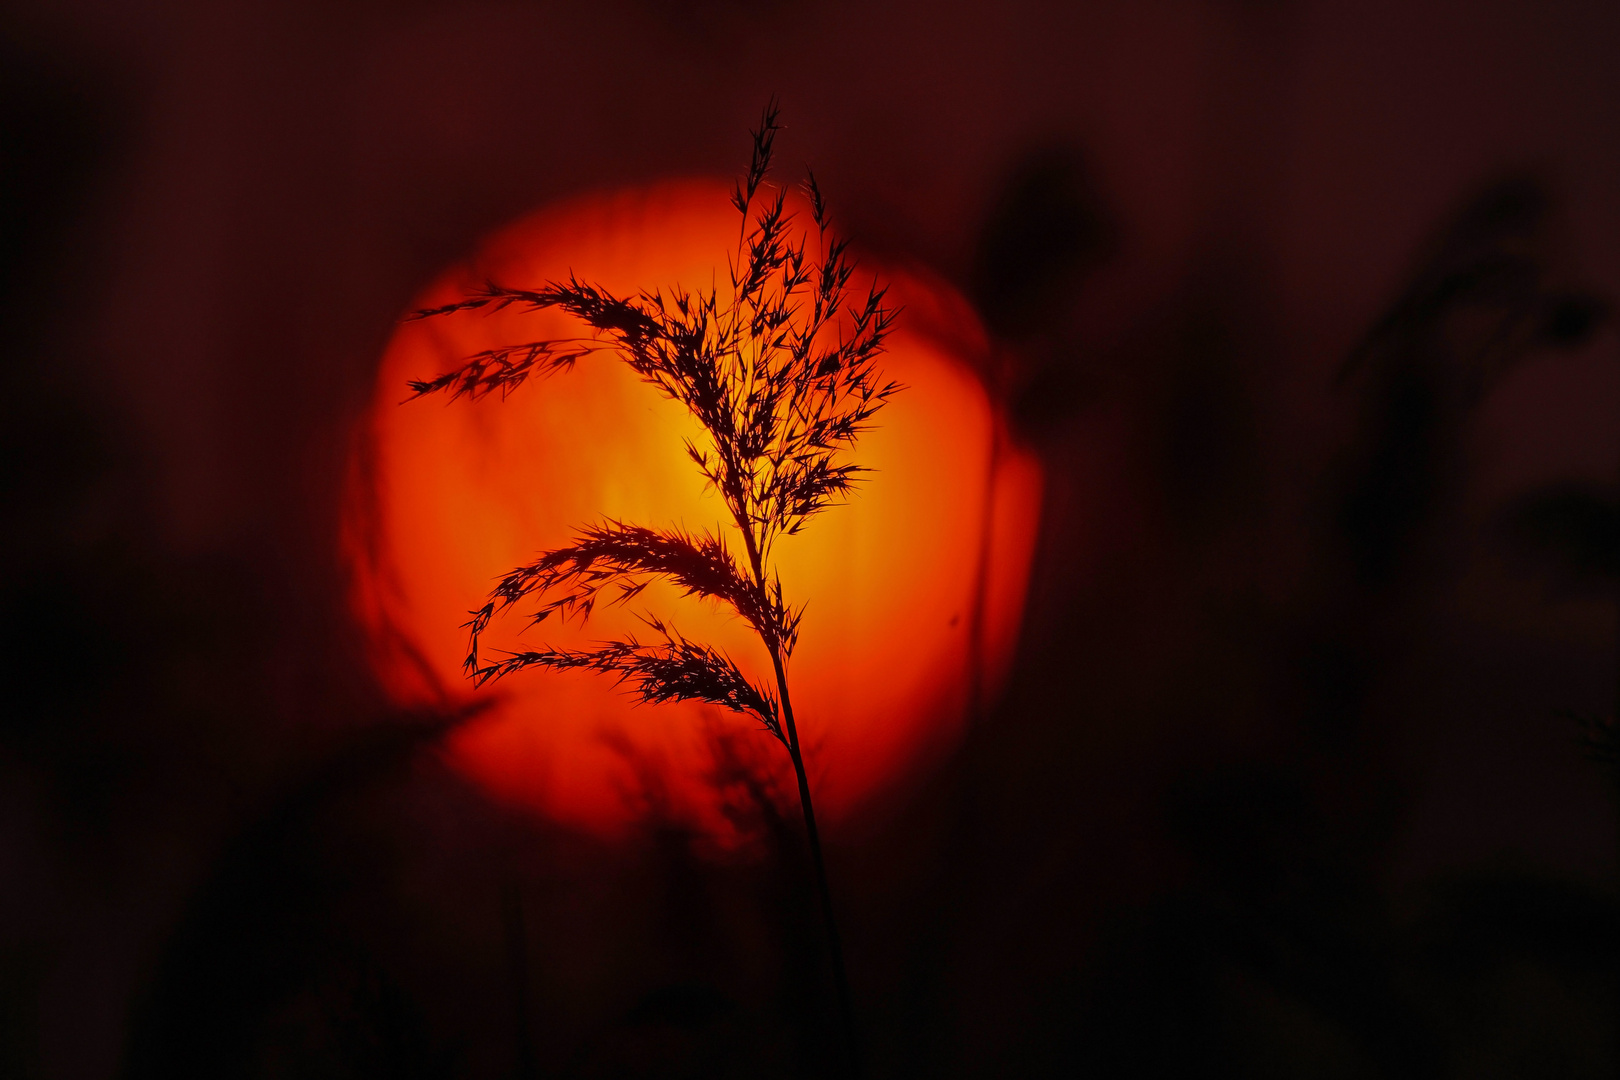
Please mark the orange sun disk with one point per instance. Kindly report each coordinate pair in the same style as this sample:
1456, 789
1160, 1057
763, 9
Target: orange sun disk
931, 552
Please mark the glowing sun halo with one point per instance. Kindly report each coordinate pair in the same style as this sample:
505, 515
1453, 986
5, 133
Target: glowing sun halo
445, 497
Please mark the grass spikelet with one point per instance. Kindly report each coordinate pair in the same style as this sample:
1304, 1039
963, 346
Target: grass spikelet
781, 372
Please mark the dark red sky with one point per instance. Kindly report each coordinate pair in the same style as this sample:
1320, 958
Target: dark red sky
317, 162
263, 186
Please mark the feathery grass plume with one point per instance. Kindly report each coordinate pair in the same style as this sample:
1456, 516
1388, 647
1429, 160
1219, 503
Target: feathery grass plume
781, 373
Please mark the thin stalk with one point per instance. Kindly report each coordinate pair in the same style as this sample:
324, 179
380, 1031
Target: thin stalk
981, 574
517, 948
846, 1008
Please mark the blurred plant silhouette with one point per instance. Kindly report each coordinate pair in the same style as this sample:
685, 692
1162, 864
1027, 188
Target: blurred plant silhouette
781, 374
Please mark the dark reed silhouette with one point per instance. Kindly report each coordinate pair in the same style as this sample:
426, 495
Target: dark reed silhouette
781, 373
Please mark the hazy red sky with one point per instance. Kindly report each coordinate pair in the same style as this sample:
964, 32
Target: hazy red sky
297, 170
283, 176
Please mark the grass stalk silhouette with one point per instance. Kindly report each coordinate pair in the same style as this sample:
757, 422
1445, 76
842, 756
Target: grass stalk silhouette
781, 374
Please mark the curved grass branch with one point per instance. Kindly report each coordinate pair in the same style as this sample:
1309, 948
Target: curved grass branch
781, 373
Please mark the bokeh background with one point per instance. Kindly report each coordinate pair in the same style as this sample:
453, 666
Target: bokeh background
1300, 770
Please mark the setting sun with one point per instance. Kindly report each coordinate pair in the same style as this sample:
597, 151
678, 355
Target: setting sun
930, 553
